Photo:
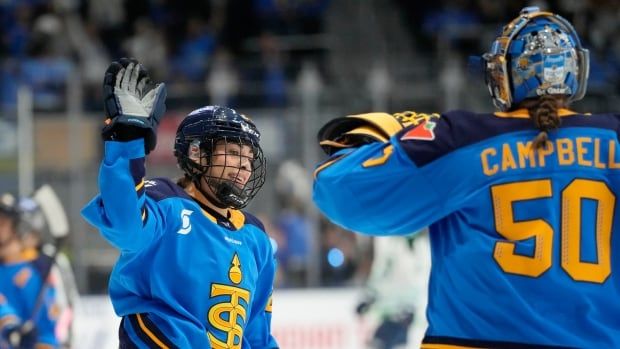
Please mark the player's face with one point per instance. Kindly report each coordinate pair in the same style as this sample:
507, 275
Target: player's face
6, 228
231, 162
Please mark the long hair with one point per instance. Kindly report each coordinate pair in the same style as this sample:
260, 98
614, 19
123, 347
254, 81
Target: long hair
184, 181
544, 113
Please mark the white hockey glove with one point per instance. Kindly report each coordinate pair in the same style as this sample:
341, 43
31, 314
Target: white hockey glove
133, 104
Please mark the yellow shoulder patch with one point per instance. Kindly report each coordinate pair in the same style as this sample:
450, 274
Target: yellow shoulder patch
413, 118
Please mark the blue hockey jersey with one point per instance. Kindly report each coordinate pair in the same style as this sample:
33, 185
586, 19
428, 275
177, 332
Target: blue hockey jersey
184, 278
523, 243
20, 283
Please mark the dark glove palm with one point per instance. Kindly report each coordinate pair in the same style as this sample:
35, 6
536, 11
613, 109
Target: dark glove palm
20, 337
133, 105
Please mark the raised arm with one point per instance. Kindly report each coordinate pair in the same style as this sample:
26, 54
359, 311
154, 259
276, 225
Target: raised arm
374, 182
134, 107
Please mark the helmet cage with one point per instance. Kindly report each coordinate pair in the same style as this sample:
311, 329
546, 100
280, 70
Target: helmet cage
225, 190
194, 146
498, 65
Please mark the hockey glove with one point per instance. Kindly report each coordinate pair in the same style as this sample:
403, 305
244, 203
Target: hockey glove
357, 130
133, 104
20, 337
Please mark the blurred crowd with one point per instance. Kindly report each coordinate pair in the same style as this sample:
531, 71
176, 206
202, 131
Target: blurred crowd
247, 54
467, 27
244, 53
189, 44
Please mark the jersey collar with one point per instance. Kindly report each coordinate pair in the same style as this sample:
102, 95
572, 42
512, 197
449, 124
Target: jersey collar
234, 219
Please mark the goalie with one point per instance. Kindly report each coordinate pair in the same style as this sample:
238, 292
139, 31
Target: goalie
521, 202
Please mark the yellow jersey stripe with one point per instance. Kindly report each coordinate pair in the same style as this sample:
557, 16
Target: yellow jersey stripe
387, 152
208, 215
43, 346
140, 185
149, 333
444, 346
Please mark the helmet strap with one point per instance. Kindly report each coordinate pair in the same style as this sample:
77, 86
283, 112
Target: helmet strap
223, 194
217, 195
229, 194
208, 195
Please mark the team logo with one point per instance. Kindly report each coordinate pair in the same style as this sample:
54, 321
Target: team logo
422, 132
229, 316
424, 125
194, 150
149, 183
234, 273
186, 225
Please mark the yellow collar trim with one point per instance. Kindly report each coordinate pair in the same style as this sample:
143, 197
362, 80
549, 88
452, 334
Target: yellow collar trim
524, 113
236, 218
208, 215
29, 254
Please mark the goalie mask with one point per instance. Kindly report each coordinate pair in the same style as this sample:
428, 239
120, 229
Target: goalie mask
221, 146
538, 53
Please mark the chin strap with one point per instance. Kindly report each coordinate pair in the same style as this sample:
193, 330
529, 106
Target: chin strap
227, 195
208, 196
230, 195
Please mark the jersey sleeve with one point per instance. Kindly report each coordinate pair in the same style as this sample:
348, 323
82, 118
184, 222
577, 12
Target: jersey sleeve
47, 317
43, 315
8, 315
258, 331
380, 188
122, 212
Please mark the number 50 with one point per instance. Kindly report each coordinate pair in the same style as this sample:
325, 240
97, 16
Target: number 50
505, 195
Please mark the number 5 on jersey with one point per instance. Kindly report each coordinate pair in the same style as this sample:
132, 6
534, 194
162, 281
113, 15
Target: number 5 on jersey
505, 195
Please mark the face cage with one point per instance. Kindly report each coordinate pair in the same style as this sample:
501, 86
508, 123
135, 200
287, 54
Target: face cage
227, 194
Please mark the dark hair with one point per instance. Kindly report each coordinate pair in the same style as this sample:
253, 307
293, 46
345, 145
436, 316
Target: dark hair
184, 181
544, 113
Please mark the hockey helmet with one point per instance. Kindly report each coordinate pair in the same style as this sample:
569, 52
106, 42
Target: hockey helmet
196, 138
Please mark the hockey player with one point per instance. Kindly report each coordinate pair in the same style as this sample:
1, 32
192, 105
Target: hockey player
194, 270
395, 291
521, 203
21, 279
36, 238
